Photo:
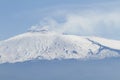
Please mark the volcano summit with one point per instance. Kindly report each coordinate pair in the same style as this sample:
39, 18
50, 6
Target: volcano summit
49, 45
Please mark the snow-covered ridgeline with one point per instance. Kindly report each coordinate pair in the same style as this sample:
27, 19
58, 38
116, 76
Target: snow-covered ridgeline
43, 44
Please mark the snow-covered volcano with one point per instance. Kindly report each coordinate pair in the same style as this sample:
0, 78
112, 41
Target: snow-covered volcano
49, 45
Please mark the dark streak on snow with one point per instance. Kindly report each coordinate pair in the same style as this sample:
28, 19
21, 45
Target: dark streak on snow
102, 47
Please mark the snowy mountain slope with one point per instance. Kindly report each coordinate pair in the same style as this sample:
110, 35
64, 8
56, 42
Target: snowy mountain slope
51, 45
106, 42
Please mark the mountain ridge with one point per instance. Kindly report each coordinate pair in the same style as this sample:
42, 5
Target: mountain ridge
51, 45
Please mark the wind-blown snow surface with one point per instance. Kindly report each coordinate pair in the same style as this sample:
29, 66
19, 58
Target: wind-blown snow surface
51, 45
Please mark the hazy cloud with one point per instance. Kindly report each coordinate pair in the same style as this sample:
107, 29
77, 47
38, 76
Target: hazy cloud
86, 22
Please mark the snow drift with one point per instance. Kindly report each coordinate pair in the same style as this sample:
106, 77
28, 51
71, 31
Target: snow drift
49, 45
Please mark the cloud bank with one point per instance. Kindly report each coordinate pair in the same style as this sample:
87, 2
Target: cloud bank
86, 22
